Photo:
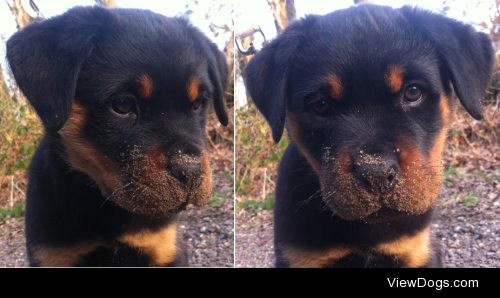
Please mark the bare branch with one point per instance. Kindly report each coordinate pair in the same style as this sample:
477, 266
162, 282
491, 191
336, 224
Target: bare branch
22, 17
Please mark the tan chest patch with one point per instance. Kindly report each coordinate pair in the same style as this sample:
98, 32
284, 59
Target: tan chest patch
67, 256
160, 245
414, 250
411, 251
300, 258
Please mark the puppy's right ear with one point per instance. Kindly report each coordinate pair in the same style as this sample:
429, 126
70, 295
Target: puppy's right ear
266, 73
46, 58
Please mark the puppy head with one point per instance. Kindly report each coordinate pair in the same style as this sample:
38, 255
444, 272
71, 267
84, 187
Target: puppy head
368, 94
126, 93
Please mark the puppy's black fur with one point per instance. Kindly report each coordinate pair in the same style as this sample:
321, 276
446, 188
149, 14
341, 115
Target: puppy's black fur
123, 95
366, 95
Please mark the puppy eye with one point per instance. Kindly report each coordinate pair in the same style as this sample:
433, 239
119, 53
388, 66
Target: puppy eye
122, 105
322, 107
412, 94
196, 105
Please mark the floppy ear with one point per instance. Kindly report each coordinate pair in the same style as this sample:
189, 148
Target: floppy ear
46, 58
466, 55
218, 69
219, 75
266, 73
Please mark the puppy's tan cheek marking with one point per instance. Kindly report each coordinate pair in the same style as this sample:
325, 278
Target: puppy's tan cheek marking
294, 131
82, 155
200, 195
421, 179
160, 245
414, 250
193, 88
438, 147
394, 77
426, 173
334, 86
63, 256
144, 86
301, 258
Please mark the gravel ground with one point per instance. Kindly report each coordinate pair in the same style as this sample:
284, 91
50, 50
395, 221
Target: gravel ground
467, 220
468, 217
13, 243
209, 234
254, 240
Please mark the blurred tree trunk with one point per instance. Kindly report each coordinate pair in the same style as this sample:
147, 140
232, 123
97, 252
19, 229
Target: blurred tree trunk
283, 11
107, 3
230, 54
22, 17
4, 90
242, 59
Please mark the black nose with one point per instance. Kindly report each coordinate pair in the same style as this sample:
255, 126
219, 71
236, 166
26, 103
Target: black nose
187, 172
380, 173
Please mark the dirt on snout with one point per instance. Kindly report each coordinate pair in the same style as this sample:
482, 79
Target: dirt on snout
149, 189
408, 192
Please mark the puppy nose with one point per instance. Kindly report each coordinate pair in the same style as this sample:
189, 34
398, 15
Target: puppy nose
380, 174
187, 172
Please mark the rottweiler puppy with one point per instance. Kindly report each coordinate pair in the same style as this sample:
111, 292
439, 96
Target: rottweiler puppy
366, 95
123, 96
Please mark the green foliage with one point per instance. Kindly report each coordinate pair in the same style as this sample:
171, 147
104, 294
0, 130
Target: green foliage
20, 134
5, 214
451, 171
254, 207
216, 200
486, 177
471, 199
257, 157
229, 176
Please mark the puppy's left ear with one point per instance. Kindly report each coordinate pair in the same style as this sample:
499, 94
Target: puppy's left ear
266, 74
219, 75
467, 55
46, 59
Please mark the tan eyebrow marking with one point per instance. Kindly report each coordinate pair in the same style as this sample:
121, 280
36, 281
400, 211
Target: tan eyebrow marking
193, 87
144, 86
394, 77
334, 86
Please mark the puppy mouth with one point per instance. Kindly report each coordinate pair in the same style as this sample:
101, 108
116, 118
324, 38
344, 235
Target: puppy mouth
151, 186
384, 214
376, 189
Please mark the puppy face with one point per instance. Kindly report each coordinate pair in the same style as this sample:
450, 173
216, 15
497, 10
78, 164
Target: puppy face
368, 96
133, 114
144, 144
373, 127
